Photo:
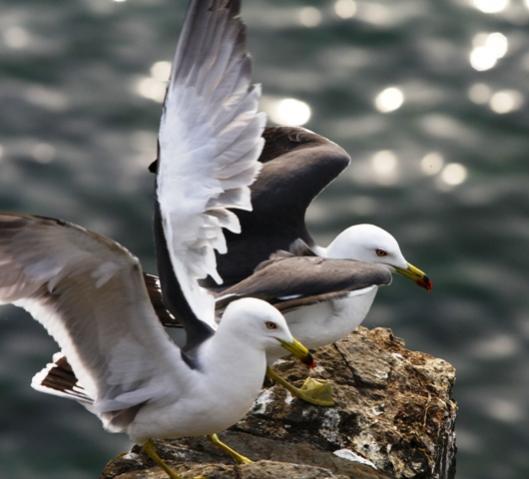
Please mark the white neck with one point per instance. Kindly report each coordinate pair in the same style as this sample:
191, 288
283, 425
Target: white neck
338, 248
226, 357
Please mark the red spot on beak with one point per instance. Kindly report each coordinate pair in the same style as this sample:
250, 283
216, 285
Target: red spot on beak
309, 361
425, 283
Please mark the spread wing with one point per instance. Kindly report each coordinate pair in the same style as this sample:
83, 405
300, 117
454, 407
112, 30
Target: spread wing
297, 165
89, 293
209, 145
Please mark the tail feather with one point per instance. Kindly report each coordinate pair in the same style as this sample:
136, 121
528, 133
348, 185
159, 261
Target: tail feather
58, 379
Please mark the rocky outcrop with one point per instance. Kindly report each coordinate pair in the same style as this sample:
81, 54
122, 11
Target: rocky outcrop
393, 418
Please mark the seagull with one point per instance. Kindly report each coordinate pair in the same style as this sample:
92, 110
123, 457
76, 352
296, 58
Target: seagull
324, 292
297, 165
267, 252
90, 294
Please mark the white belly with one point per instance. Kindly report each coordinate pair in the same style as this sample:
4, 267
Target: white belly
327, 322
207, 405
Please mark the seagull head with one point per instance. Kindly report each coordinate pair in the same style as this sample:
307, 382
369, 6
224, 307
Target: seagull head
261, 324
372, 244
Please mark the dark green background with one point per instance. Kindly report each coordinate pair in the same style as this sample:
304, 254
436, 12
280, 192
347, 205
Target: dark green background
76, 140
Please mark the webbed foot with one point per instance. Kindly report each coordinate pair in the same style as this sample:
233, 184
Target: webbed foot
317, 391
313, 391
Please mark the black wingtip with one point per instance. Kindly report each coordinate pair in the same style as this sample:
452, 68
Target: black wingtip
153, 167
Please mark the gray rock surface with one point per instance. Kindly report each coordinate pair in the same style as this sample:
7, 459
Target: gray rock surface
393, 418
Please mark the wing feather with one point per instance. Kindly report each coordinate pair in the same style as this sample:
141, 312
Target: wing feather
289, 281
210, 140
89, 293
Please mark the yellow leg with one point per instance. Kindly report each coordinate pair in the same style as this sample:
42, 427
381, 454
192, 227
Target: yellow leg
228, 450
150, 450
313, 391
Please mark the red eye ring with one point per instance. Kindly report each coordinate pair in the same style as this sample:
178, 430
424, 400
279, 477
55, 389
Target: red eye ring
270, 325
381, 253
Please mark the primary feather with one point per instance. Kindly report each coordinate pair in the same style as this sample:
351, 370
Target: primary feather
89, 293
209, 144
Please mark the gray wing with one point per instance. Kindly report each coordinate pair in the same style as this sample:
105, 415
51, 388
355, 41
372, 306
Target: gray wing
210, 140
58, 378
89, 293
288, 281
297, 165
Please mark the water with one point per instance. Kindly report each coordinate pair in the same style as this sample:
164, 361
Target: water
77, 134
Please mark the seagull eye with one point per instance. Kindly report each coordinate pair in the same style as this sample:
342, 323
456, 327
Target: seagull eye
270, 325
381, 253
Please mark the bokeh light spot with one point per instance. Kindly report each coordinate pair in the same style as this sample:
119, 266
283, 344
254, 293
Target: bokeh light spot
50, 99
504, 410
16, 37
161, 70
43, 152
498, 43
432, 163
488, 49
482, 59
309, 17
290, 112
389, 99
491, 6
506, 101
150, 88
480, 93
385, 166
454, 174
346, 8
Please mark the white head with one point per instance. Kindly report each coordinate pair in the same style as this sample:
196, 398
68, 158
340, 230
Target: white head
368, 243
261, 325
372, 244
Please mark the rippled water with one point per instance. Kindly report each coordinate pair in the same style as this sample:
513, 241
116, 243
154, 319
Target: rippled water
432, 109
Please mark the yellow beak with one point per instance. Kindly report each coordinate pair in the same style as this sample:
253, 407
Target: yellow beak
299, 351
417, 276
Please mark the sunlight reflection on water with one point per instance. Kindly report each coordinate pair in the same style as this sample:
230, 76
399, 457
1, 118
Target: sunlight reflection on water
439, 151
491, 6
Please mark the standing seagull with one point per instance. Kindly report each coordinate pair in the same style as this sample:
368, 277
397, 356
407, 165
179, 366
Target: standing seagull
323, 292
89, 293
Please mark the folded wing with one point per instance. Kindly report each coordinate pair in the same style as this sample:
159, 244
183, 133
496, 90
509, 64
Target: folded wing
297, 165
289, 281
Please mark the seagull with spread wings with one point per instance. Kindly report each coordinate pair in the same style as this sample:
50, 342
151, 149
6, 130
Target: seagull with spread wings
324, 292
89, 292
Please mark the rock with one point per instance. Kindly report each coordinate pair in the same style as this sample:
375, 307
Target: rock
394, 418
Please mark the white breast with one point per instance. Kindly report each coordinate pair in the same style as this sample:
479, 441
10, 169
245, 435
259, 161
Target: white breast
327, 322
216, 397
